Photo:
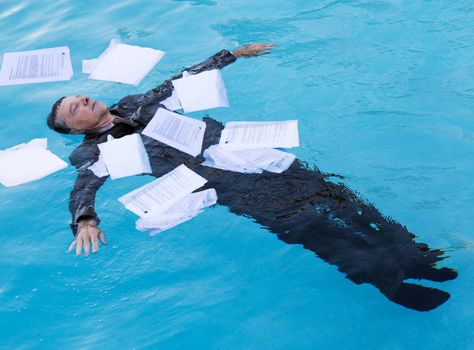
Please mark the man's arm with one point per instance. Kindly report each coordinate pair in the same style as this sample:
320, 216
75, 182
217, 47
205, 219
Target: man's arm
81, 202
217, 61
150, 100
82, 198
84, 219
225, 57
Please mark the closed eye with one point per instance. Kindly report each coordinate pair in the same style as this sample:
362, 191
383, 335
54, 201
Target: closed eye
73, 108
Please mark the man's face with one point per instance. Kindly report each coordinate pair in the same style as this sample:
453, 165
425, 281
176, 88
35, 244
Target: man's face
82, 113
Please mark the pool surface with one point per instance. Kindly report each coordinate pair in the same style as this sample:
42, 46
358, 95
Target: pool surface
384, 95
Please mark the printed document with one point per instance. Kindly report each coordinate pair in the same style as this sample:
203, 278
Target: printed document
28, 162
160, 194
125, 156
176, 130
283, 134
127, 64
201, 91
36, 66
183, 210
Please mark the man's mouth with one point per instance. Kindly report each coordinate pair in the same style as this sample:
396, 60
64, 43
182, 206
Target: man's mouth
93, 105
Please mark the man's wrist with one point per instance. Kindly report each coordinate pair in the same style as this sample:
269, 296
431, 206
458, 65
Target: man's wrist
86, 222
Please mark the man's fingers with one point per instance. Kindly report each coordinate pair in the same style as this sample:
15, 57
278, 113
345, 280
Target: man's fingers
262, 46
87, 246
89, 235
95, 245
265, 46
79, 247
71, 246
102, 238
252, 50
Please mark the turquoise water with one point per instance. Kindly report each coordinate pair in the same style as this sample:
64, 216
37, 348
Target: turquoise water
384, 91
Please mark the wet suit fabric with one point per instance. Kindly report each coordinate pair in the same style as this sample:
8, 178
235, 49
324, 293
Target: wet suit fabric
300, 206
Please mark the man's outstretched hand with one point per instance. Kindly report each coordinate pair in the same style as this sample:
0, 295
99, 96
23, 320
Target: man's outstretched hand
252, 50
87, 233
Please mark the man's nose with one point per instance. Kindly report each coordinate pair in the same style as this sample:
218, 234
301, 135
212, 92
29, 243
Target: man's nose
85, 100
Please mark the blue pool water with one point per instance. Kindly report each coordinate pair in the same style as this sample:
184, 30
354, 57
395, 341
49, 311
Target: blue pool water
384, 92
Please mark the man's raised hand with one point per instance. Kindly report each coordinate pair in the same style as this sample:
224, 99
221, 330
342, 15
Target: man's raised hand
252, 50
87, 233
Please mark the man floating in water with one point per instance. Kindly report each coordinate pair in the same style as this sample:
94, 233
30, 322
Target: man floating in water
300, 205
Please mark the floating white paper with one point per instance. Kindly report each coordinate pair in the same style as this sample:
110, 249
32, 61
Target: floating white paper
248, 160
172, 103
160, 194
268, 159
125, 156
41, 143
222, 158
201, 91
99, 168
88, 66
28, 162
126, 64
36, 66
183, 210
282, 134
176, 130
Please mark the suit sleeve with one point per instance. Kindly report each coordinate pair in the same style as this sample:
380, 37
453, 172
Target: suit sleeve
82, 197
218, 61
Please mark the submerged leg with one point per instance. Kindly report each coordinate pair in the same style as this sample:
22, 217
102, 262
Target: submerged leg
419, 298
432, 274
301, 207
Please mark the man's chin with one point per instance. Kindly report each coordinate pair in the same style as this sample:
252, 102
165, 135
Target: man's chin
103, 111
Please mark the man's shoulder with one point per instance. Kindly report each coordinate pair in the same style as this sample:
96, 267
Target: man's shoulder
128, 104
